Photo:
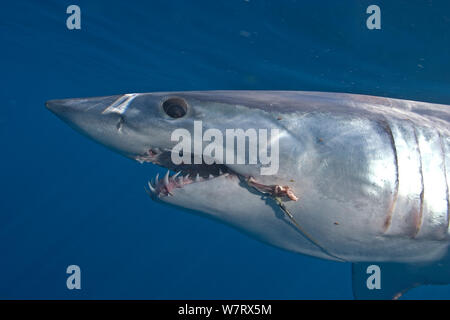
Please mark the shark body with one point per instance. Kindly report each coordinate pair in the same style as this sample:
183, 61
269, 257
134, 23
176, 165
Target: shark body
360, 179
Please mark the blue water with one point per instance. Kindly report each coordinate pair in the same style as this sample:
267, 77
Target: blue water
66, 200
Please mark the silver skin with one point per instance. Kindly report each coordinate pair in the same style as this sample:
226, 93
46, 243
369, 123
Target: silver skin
371, 174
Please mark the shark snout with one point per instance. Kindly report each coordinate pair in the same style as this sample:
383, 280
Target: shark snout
64, 108
85, 114
58, 107
102, 120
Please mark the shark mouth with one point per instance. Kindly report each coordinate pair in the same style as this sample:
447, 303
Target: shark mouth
184, 174
195, 173
164, 186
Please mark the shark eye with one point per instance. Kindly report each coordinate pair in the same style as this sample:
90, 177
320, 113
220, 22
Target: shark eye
175, 107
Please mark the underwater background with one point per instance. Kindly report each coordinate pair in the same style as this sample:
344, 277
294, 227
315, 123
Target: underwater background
66, 200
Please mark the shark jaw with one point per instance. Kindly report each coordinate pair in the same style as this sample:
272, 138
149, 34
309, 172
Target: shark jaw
198, 173
183, 174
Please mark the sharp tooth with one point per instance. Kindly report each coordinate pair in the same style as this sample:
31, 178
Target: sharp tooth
166, 178
152, 189
220, 172
197, 178
210, 176
176, 174
157, 179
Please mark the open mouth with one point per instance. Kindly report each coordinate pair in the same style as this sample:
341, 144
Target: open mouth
181, 175
185, 174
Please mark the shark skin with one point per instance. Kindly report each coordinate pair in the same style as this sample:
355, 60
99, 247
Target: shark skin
360, 179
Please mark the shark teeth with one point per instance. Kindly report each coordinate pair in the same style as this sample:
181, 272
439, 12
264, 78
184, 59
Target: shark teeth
176, 175
166, 179
163, 187
152, 189
166, 184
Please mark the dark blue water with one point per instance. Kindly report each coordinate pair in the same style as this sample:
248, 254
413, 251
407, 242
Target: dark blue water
66, 200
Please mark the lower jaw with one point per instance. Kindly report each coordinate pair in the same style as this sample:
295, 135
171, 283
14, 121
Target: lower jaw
197, 173
160, 187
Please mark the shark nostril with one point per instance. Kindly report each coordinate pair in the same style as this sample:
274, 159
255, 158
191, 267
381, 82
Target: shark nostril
175, 107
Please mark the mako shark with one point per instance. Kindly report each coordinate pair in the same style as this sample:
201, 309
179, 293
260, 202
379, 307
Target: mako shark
360, 179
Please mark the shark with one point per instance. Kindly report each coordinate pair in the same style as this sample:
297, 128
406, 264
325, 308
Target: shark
358, 179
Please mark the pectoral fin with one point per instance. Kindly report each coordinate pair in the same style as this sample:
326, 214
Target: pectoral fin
392, 280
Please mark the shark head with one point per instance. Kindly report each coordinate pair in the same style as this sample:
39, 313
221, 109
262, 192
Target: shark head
228, 182
201, 133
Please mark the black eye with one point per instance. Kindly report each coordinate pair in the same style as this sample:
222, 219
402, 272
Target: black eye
175, 107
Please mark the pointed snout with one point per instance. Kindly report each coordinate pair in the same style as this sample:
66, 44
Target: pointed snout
52, 105
68, 108
100, 119
58, 107
89, 116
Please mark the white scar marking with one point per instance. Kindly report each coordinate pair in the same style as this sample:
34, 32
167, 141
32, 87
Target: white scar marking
120, 105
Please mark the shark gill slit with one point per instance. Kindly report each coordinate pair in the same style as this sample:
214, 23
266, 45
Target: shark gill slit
419, 219
292, 219
303, 232
443, 149
390, 212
